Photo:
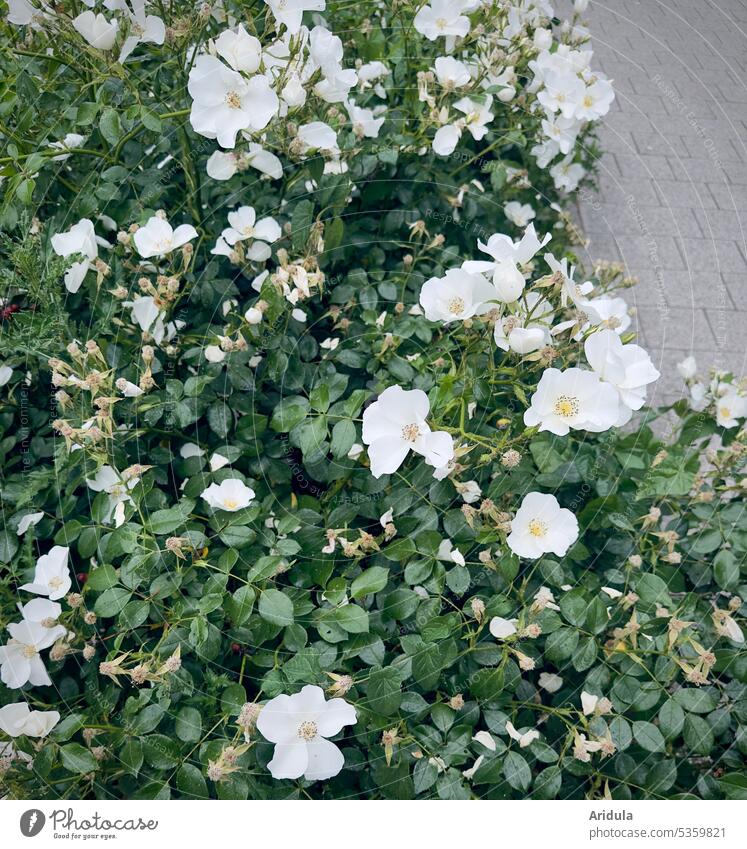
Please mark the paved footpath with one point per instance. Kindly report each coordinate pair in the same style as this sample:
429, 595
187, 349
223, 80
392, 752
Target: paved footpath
672, 201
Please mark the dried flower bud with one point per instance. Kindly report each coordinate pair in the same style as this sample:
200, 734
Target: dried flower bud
510, 459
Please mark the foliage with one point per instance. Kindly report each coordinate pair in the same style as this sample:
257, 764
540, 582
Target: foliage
181, 614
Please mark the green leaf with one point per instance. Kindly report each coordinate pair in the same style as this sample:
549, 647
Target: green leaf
150, 120
698, 735
131, 755
112, 601
275, 607
301, 220
220, 418
516, 771
239, 605
188, 725
370, 581
148, 718
102, 578
695, 700
343, 437
384, 693
734, 785
166, 521
109, 125
652, 589
77, 759
547, 783
648, 736
350, 618
726, 569
289, 412
671, 719
190, 782
573, 605
333, 233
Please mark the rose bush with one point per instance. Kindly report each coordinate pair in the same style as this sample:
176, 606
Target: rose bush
301, 392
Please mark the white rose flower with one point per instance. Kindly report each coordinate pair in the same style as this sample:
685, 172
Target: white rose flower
264, 161
608, 312
244, 225
519, 214
442, 18
157, 238
96, 30
224, 102
446, 139
485, 738
595, 101
456, 296
52, 575
222, 166
128, 389
567, 174
550, 682
18, 719
318, 136
143, 28
528, 328
253, 316
109, 480
299, 726
447, 552
218, 461
356, 449
507, 257
364, 120
69, 142
190, 449
6, 372
242, 51
41, 611
395, 424
469, 490
541, 526
451, 72
144, 312
79, 239
572, 399
627, 367
214, 354
523, 738
290, 12
502, 628
27, 521
730, 407
230, 495
20, 659
687, 368
477, 115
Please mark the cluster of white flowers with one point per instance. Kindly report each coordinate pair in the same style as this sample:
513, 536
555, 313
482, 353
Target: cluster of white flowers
244, 227
127, 22
727, 398
238, 86
567, 93
571, 95
20, 659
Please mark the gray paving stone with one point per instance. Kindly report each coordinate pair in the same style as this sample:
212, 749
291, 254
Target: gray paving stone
672, 187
